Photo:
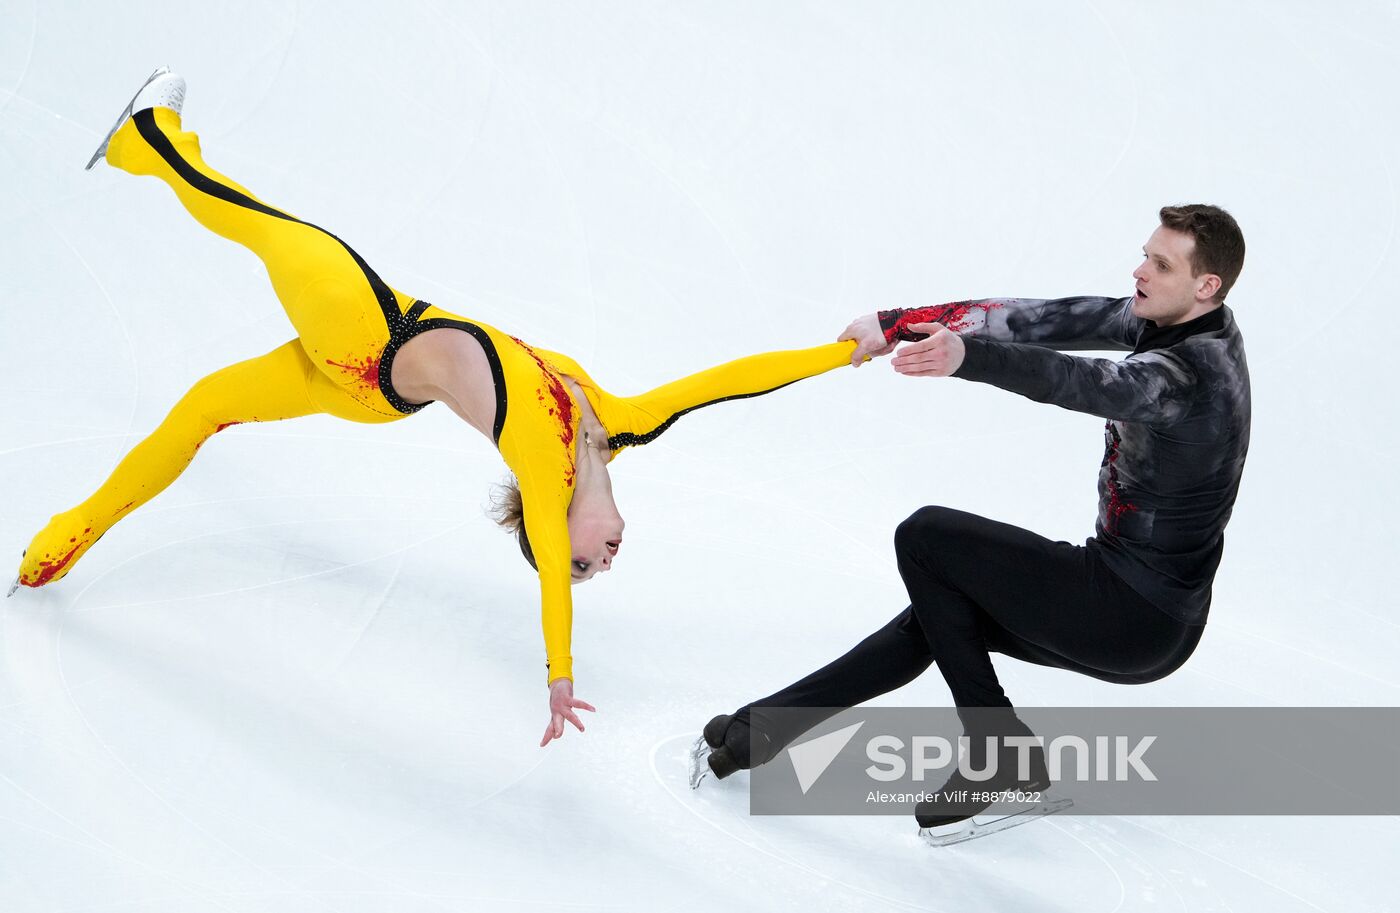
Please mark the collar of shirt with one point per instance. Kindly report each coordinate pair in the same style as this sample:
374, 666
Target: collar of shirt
1155, 337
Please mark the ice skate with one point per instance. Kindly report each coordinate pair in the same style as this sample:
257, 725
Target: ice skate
971, 829
162, 88
699, 755
714, 730
960, 799
710, 754
14, 586
950, 816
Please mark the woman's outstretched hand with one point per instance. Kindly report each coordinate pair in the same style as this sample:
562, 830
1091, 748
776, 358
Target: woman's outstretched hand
562, 705
869, 338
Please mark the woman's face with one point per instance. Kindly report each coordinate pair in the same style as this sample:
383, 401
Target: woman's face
595, 535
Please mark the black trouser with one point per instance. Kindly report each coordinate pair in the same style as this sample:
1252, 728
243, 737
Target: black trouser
976, 586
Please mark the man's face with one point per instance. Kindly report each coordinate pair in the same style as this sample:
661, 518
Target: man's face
1166, 290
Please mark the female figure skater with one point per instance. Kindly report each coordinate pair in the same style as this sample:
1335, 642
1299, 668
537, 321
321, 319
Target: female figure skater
367, 352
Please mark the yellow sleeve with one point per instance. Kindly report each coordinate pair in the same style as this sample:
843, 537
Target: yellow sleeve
546, 523
543, 467
635, 420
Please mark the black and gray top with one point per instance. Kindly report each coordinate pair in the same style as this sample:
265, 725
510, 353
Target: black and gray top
1177, 429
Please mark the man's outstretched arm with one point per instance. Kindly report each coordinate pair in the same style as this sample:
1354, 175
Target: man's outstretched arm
1066, 324
1152, 387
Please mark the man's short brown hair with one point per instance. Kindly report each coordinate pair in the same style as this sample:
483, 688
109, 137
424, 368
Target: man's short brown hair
1219, 242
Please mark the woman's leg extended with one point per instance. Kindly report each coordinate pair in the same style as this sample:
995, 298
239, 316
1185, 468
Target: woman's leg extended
341, 309
651, 413
274, 386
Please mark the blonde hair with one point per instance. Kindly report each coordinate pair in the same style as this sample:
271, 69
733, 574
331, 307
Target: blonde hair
508, 510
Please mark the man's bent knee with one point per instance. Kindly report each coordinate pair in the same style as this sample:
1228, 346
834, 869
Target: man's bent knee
925, 528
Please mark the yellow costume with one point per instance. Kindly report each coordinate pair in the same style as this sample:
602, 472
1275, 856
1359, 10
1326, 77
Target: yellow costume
349, 325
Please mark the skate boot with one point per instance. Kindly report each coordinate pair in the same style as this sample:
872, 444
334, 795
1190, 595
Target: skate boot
715, 729
162, 88
721, 750
57, 547
711, 739
950, 819
729, 744
952, 809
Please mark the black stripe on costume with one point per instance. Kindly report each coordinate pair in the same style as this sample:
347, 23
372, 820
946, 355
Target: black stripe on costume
146, 124
628, 439
410, 330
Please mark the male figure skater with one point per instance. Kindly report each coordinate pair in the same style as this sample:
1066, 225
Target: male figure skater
1130, 604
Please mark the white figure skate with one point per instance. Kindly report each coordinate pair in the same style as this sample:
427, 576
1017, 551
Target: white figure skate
162, 88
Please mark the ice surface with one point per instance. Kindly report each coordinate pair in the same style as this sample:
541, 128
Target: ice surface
308, 676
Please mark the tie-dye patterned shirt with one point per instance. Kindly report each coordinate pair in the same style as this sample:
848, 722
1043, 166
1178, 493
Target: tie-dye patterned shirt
1177, 429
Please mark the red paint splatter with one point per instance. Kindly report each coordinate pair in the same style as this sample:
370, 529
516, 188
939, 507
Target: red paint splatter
563, 407
364, 370
955, 315
50, 569
1117, 506
217, 429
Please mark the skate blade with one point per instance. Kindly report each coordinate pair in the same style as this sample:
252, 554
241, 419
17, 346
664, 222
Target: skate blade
126, 113
14, 586
699, 769
963, 831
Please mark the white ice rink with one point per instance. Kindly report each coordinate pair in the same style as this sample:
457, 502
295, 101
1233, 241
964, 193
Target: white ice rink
308, 677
